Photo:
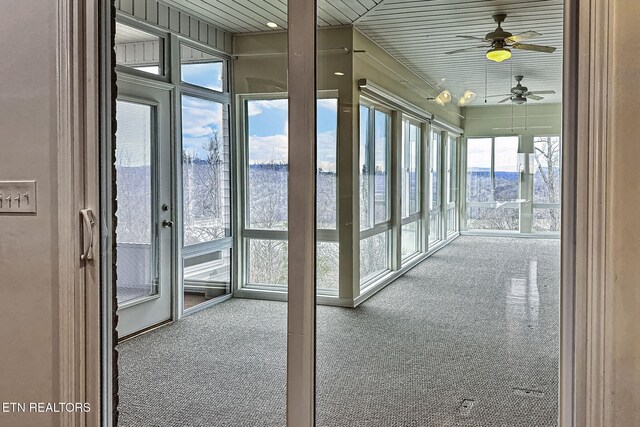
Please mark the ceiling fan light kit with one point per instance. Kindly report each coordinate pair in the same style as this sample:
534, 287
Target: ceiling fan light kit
498, 54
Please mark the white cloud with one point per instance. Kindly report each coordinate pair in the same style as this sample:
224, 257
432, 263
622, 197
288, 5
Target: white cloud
265, 149
255, 107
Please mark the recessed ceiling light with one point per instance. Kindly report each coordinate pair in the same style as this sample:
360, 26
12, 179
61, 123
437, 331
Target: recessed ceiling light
272, 25
339, 73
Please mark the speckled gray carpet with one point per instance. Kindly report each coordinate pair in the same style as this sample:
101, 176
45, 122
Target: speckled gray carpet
467, 338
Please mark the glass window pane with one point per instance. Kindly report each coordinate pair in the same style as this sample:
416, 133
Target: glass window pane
206, 277
138, 49
381, 167
547, 170
546, 219
434, 227
506, 169
410, 169
434, 191
452, 171
373, 256
479, 170
327, 261
414, 168
410, 238
327, 131
201, 69
135, 240
206, 191
365, 170
493, 219
267, 261
267, 157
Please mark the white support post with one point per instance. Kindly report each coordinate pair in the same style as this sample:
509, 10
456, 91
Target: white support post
301, 323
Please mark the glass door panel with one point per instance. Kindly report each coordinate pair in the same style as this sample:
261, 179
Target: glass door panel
136, 240
143, 208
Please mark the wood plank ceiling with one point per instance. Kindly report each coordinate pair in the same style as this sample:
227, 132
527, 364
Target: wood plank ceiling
419, 32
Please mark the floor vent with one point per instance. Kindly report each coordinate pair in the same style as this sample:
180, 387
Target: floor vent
528, 392
465, 407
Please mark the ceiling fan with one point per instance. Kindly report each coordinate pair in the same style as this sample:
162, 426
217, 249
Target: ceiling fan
501, 42
519, 94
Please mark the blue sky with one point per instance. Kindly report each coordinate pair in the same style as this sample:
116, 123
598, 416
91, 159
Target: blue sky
208, 74
268, 131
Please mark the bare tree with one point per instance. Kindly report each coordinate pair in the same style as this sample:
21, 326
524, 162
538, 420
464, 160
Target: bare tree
547, 158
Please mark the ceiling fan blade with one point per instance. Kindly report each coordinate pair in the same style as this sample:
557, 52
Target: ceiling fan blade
535, 97
470, 37
522, 36
495, 96
543, 92
464, 50
508, 98
534, 47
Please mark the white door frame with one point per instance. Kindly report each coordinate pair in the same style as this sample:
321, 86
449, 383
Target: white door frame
84, 92
150, 311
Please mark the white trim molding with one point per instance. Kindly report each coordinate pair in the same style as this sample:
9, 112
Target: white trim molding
78, 181
584, 309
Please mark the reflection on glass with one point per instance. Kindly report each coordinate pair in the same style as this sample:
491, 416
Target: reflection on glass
201, 69
135, 233
138, 49
206, 182
206, 277
267, 261
373, 256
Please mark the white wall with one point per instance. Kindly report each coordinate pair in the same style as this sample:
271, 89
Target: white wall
28, 259
623, 205
499, 120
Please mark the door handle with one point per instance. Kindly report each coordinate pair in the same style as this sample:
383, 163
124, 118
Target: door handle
167, 224
88, 222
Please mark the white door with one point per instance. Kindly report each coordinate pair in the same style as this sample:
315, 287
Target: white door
144, 228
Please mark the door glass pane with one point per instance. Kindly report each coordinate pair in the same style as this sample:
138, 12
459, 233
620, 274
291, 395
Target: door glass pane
136, 232
138, 49
206, 277
506, 169
201, 69
206, 191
